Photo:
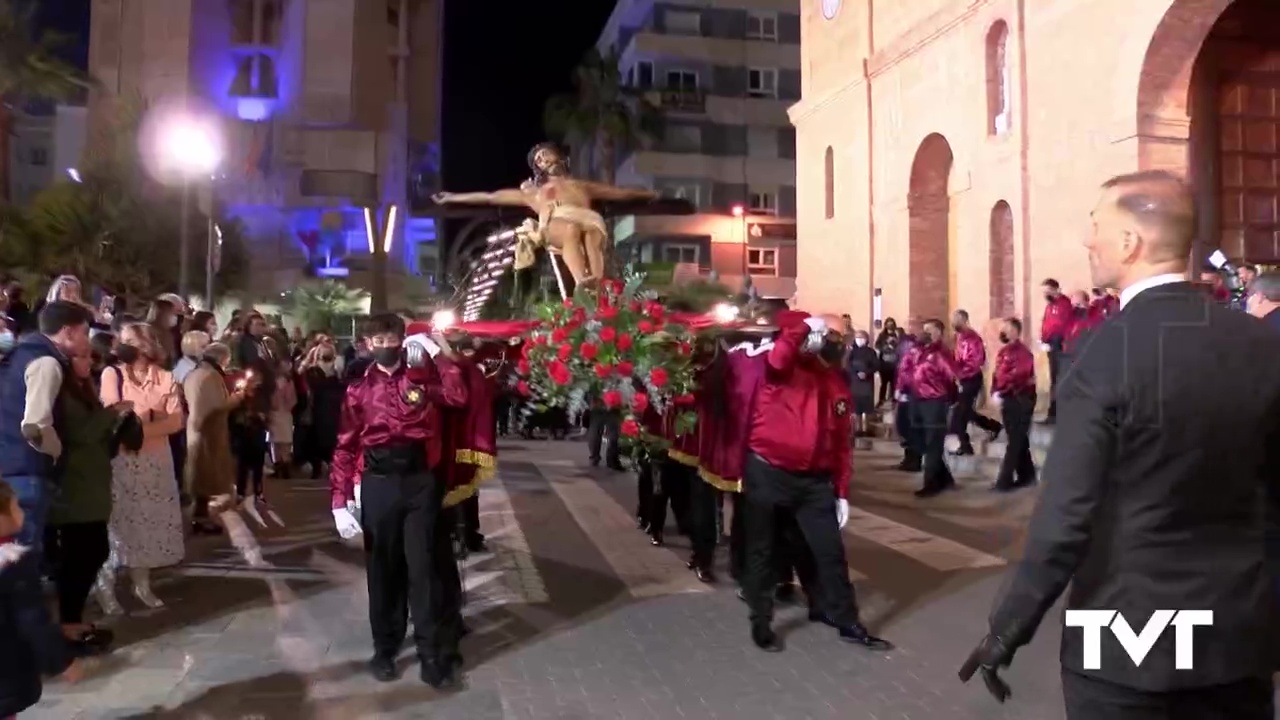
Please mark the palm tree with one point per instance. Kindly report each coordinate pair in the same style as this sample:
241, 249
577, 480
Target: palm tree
601, 116
316, 305
29, 68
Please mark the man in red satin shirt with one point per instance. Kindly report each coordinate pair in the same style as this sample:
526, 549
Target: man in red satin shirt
932, 383
799, 462
1053, 333
391, 426
1013, 388
971, 359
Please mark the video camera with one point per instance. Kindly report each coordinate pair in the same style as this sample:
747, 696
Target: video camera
1231, 279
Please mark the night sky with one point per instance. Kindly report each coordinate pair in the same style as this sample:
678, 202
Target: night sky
503, 59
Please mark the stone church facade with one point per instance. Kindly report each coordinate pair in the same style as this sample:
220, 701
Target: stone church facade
949, 151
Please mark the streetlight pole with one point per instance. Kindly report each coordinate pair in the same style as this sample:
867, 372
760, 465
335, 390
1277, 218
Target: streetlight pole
191, 146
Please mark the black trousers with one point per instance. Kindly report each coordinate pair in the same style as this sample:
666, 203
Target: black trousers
738, 537
909, 433
178, 448
1055, 367
76, 552
674, 484
930, 418
888, 378
502, 414
409, 558
792, 559
811, 502
703, 499
604, 426
470, 520
250, 445
962, 414
1017, 467
644, 493
1089, 698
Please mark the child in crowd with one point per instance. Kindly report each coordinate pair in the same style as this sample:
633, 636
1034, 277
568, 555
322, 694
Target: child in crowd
32, 643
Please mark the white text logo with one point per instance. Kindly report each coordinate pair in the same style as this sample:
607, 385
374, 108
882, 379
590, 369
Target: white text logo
1137, 645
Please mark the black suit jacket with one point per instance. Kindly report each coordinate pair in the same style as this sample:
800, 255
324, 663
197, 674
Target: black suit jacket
1156, 491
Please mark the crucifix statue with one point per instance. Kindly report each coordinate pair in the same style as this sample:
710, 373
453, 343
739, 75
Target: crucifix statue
566, 222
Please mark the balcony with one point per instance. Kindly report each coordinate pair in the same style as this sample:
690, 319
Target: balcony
683, 101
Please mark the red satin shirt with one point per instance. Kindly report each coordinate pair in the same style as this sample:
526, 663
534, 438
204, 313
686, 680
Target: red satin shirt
1057, 319
1015, 371
929, 373
801, 419
385, 408
970, 354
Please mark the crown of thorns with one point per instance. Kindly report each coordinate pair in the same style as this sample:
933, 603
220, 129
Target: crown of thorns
564, 156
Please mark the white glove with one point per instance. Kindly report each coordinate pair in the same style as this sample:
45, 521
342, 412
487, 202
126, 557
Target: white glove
1045, 347
842, 512
951, 443
346, 523
817, 336
996, 399
417, 348
816, 325
356, 502
900, 397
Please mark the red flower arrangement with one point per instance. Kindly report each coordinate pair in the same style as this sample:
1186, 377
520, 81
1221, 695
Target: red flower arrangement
614, 348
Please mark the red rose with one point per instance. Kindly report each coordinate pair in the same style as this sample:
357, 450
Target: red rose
608, 334
522, 387
624, 341
640, 402
686, 399
634, 306
625, 369
526, 349
565, 352
655, 310
616, 287
579, 315
658, 377
604, 370
558, 372
630, 428
522, 367
607, 313
559, 335
645, 326
539, 339
611, 399
602, 302
588, 351
685, 348
568, 303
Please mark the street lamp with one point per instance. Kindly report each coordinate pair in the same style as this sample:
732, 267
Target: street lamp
191, 146
741, 212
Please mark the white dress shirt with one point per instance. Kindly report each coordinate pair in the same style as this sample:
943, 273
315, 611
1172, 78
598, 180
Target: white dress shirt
1132, 291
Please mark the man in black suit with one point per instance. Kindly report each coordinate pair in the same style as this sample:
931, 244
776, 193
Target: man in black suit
1155, 486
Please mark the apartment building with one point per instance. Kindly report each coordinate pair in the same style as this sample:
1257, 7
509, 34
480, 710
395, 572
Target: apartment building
722, 74
324, 144
48, 141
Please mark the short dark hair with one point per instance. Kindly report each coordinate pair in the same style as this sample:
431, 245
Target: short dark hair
62, 314
934, 323
1051, 283
1014, 323
383, 324
1161, 200
1267, 285
963, 315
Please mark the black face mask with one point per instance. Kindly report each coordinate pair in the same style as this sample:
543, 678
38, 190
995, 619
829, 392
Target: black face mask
387, 357
831, 352
327, 357
127, 354
1048, 297
1004, 338
957, 327
926, 338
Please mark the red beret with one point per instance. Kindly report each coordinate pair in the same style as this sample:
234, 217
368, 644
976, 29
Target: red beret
788, 318
417, 327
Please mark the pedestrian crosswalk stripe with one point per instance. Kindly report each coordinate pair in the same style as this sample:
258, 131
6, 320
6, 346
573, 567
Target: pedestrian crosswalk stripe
507, 573
937, 552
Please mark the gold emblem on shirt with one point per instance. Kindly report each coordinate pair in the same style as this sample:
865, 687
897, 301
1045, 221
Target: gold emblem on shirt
413, 396
842, 408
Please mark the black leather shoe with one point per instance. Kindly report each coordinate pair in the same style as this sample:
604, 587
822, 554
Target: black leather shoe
910, 467
383, 668
785, 593
438, 674
616, 467
817, 616
858, 635
477, 545
705, 575
764, 638
656, 541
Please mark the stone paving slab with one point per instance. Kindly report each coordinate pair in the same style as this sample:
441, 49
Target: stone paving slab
579, 631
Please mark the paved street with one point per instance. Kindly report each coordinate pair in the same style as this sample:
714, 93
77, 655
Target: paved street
577, 617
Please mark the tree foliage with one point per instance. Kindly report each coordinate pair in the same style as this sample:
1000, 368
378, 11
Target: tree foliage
118, 227
602, 116
316, 305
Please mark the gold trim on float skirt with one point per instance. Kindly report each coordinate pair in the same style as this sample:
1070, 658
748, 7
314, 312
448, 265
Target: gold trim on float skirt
683, 458
718, 482
486, 467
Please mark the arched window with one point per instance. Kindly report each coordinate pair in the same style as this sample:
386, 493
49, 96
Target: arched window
829, 182
1000, 254
998, 115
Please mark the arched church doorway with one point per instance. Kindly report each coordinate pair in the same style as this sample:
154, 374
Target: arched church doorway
929, 207
1231, 94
